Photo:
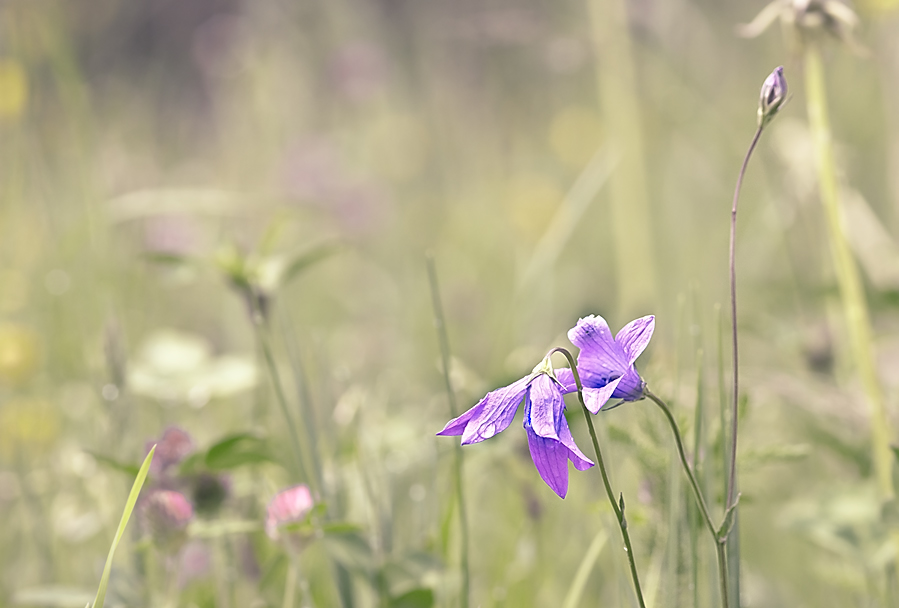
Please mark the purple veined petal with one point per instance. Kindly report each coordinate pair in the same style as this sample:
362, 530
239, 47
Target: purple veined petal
634, 336
601, 359
577, 458
457, 425
630, 386
566, 379
551, 459
595, 398
497, 412
544, 406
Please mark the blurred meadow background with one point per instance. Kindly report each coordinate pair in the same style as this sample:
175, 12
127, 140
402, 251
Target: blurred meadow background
190, 186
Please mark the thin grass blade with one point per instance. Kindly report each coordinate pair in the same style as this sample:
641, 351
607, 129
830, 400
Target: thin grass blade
126, 515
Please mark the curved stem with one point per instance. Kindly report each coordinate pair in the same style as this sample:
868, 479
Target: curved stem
720, 546
697, 492
731, 479
619, 511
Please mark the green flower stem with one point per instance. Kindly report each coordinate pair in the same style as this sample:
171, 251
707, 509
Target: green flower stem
732, 476
852, 292
721, 552
619, 512
440, 324
697, 493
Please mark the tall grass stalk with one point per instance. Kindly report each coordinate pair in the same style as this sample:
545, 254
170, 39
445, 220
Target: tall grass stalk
123, 522
698, 429
852, 294
443, 337
620, 103
855, 308
576, 589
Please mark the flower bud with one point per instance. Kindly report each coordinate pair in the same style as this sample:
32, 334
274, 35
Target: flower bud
288, 506
174, 445
165, 515
773, 95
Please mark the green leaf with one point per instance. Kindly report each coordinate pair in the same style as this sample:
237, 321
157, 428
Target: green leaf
417, 598
308, 258
166, 258
236, 451
350, 549
126, 515
729, 518
114, 464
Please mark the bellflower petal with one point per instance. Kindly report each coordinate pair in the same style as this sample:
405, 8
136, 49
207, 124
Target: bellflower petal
601, 355
630, 386
577, 458
543, 407
566, 379
634, 337
496, 413
551, 459
595, 398
549, 438
601, 359
457, 425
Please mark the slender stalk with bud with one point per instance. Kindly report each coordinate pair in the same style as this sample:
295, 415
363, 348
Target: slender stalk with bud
772, 97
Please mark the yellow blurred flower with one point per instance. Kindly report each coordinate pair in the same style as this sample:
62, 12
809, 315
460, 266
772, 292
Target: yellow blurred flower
18, 354
531, 201
29, 426
13, 89
575, 133
878, 6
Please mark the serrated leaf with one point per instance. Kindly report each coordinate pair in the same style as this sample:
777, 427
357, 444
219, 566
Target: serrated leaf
236, 451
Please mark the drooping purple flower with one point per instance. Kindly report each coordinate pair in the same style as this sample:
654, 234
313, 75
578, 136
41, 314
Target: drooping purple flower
606, 364
549, 438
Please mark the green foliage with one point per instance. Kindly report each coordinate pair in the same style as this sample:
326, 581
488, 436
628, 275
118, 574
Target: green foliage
126, 515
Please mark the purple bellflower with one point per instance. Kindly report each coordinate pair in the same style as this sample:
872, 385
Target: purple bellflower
606, 364
549, 439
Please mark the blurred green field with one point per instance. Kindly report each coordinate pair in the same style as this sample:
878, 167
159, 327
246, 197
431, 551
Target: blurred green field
558, 160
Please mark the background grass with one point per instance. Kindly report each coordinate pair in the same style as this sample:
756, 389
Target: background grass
145, 146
